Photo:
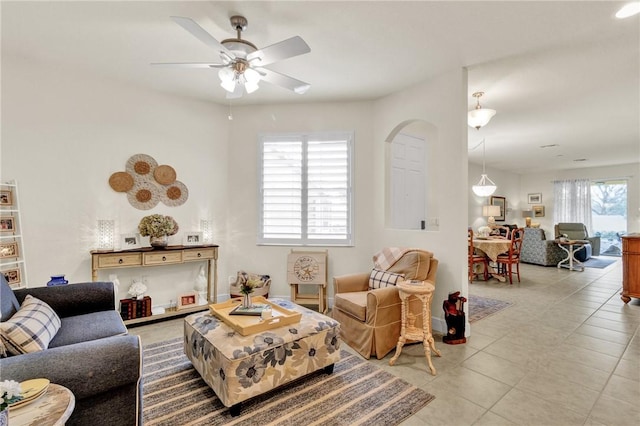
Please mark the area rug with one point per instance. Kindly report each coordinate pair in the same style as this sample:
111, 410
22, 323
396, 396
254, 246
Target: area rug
598, 262
357, 393
482, 307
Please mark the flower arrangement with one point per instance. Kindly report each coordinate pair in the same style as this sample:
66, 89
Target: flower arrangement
248, 286
137, 289
157, 225
9, 393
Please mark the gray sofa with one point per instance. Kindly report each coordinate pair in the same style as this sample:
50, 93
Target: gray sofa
538, 250
578, 231
92, 354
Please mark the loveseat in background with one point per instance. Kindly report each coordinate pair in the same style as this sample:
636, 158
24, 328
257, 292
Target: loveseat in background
92, 354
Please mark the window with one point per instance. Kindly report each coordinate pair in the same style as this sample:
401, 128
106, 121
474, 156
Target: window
305, 189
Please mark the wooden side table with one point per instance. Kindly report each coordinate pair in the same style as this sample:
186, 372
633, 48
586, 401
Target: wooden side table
51, 409
423, 291
571, 247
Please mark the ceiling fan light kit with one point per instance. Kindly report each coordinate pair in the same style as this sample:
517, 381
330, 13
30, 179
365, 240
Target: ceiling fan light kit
480, 117
243, 65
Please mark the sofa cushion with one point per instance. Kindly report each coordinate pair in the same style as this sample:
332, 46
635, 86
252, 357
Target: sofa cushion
380, 279
31, 328
353, 303
83, 328
9, 304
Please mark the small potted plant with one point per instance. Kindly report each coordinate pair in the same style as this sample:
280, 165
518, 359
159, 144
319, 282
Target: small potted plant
158, 228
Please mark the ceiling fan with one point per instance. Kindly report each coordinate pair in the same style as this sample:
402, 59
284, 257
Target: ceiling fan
242, 65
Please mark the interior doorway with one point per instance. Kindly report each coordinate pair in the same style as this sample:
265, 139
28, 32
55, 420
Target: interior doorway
408, 182
609, 214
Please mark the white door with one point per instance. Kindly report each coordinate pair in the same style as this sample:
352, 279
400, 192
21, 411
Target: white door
407, 182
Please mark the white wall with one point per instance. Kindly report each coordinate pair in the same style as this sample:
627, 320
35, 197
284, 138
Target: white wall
64, 133
440, 102
248, 122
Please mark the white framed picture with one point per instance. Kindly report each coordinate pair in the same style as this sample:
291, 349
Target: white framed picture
130, 241
192, 239
535, 198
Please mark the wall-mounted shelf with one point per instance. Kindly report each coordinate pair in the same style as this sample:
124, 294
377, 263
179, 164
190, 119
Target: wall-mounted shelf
12, 260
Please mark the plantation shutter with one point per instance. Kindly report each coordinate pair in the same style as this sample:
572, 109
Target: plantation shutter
306, 189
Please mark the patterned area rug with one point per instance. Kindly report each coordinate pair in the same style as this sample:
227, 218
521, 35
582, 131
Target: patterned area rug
482, 307
357, 393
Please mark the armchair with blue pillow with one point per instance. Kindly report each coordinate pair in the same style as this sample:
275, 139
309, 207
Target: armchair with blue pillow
578, 231
73, 336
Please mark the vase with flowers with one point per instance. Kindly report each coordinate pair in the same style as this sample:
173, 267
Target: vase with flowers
10, 392
246, 289
158, 228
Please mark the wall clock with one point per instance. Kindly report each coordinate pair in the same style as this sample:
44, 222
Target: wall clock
308, 268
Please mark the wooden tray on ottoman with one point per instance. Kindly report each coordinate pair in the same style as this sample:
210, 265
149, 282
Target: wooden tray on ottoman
249, 324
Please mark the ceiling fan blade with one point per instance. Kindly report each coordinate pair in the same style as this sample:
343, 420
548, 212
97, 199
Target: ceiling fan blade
237, 92
288, 48
198, 32
282, 80
189, 65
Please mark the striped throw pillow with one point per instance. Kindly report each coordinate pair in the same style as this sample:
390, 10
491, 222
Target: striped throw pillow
380, 279
31, 328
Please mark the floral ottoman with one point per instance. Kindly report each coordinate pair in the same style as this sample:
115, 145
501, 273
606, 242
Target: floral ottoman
240, 367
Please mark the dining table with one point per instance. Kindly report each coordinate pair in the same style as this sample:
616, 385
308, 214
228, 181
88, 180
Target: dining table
492, 247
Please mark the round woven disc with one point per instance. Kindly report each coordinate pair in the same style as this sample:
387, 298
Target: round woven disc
121, 181
175, 194
164, 174
141, 166
143, 195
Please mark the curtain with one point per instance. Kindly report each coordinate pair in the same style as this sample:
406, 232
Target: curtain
572, 201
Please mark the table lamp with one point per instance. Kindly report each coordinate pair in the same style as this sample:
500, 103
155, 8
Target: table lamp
489, 212
527, 214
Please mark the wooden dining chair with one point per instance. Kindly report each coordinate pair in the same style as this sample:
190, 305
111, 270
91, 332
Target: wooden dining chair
507, 260
474, 258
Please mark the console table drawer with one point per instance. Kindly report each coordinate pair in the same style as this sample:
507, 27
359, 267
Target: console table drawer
116, 260
162, 258
198, 254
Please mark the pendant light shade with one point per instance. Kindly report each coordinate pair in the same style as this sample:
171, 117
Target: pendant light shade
485, 186
480, 117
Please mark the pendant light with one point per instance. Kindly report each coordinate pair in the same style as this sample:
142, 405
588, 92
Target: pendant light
485, 186
479, 117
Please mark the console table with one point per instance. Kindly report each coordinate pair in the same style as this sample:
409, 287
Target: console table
172, 255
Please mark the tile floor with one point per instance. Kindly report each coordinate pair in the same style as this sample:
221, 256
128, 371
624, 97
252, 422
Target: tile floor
567, 352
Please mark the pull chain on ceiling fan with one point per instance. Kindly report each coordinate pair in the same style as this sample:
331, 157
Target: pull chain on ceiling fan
242, 64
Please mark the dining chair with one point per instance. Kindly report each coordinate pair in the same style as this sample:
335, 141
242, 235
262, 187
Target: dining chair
512, 257
474, 258
502, 231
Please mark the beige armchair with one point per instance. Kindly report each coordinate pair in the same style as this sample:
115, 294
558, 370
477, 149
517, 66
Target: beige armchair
370, 319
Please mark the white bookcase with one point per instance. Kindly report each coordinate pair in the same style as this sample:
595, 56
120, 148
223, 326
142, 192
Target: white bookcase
12, 261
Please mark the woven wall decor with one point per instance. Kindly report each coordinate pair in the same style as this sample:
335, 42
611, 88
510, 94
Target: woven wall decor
146, 183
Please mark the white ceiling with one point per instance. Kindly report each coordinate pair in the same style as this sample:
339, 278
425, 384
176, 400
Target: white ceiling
565, 73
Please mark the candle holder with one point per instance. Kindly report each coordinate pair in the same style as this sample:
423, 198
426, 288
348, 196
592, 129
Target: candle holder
106, 232
206, 226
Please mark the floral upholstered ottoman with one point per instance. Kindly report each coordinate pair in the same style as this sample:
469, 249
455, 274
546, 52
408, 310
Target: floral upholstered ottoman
240, 367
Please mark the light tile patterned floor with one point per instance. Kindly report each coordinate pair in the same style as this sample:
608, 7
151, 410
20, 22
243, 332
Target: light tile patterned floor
566, 353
